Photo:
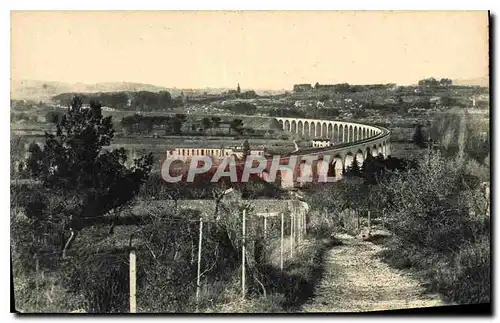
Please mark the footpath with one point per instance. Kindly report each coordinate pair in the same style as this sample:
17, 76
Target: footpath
356, 280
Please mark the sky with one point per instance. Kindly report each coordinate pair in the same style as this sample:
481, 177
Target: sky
259, 50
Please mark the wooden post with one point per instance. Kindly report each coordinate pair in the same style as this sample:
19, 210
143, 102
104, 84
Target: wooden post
297, 227
357, 220
305, 223
243, 257
265, 227
37, 269
282, 239
132, 281
198, 287
369, 222
291, 234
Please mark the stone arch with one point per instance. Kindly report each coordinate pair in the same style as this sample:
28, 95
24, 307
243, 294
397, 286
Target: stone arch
351, 134
313, 129
300, 127
306, 128
338, 166
346, 133
294, 126
379, 150
287, 125
324, 130
305, 171
364, 133
359, 157
356, 134
281, 124
318, 129
348, 160
329, 133
341, 133
374, 151
336, 136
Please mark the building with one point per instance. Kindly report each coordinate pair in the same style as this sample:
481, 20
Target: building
320, 143
186, 153
302, 87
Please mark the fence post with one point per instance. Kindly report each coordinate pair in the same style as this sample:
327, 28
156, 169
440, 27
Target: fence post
132, 281
265, 227
383, 219
357, 221
198, 287
369, 222
291, 234
305, 222
282, 239
243, 257
37, 269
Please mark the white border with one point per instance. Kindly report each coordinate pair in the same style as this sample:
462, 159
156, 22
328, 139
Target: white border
186, 5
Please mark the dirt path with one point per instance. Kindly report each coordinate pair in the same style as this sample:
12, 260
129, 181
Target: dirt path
357, 280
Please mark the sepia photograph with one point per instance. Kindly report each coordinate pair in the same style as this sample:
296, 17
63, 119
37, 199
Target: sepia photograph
224, 162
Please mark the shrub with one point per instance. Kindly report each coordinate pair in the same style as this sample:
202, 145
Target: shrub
441, 226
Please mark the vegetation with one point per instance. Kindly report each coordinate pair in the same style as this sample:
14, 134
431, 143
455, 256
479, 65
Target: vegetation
437, 211
141, 100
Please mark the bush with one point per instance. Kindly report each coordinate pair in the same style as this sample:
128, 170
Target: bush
441, 225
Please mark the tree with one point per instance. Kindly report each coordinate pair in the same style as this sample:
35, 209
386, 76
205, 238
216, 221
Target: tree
177, 123
74, 167
316, 86
207, 123
353, 169
53, 117
216, 122
246, 149
236, 125
324, 97
418, 137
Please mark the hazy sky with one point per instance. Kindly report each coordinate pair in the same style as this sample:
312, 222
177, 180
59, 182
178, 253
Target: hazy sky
271, 50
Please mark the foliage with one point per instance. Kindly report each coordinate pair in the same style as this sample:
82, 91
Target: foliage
141, 100
442, 228
243, 108
145, 124
455, 131
246, 149
83, 183
432, 82
54, 117
418, 137
236, 125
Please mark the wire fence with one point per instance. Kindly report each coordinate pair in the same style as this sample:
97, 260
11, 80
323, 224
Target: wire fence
258, 236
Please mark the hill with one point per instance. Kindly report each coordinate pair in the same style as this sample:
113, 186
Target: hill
479, 81
42, 90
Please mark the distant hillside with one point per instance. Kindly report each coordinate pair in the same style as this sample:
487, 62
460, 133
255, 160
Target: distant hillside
480, 81
42, 91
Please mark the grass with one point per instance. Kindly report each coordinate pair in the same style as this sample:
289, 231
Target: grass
287, 290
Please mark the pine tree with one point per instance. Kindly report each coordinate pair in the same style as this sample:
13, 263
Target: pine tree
354, 169
73, 167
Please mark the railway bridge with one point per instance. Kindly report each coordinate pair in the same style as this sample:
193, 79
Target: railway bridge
351, 141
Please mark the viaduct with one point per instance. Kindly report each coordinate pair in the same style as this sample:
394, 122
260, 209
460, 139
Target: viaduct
350, 140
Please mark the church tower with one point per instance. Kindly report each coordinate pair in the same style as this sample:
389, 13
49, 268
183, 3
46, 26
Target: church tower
238, 88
